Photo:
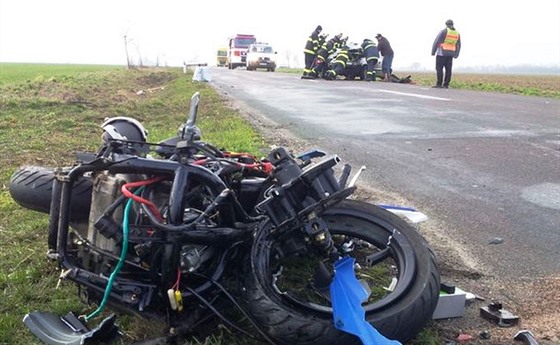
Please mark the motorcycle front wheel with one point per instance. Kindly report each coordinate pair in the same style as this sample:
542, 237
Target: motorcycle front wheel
392, 258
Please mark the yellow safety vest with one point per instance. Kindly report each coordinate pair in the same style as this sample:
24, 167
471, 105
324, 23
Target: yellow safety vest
450, 41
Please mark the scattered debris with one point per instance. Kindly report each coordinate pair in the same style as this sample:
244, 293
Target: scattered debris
496, 240
485, 335
141, 92
463, 338
451, 302
495, 313
527, 337
447, 288
470, 297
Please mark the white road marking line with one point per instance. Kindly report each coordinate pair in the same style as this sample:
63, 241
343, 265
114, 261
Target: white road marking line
414, 95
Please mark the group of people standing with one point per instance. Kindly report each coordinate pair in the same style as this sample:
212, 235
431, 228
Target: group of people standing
446, 47
318, 49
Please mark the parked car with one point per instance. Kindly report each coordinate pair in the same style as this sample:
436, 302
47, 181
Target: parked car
261, 55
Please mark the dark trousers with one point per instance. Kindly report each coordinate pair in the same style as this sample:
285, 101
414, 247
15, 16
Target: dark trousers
441, 63
370, 73
387, 64
309, 58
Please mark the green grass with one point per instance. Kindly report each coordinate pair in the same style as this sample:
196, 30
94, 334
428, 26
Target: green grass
47, 112
17, 72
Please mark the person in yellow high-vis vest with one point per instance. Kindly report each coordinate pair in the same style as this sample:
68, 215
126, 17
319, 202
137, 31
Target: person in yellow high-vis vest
446, 47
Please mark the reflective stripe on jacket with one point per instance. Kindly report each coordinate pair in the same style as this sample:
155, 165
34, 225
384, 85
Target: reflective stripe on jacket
447, 43
370, 50
312, 44
341, 57
450, 41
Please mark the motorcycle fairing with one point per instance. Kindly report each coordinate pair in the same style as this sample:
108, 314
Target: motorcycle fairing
69, 329
347, 294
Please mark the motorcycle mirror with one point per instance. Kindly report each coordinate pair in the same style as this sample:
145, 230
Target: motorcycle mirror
189, 129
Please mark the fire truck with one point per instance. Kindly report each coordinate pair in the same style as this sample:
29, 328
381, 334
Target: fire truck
237, 49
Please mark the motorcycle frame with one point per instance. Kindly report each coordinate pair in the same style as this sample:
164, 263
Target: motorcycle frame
59, 223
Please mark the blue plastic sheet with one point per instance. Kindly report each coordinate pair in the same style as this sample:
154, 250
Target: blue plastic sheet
347, 295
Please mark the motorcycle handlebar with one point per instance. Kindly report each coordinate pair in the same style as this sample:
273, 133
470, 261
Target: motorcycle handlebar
189, 130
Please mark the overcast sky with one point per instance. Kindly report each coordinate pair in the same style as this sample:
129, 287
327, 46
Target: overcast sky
493, 32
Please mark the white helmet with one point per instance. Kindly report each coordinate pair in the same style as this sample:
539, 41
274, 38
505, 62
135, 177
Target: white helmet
123, 128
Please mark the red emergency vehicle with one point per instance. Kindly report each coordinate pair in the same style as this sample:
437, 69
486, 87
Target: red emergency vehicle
237, 49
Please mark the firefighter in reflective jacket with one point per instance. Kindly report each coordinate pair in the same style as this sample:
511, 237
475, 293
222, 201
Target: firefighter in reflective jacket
338, 64
311, 47
322, 39
371, 54
320, 62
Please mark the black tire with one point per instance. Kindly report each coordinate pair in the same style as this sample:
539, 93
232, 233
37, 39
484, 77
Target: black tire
399, 315
31, 187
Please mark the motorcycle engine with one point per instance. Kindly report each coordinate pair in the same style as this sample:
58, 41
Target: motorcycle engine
106, 189
104, 227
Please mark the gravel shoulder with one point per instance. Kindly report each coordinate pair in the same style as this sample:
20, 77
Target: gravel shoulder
535, 300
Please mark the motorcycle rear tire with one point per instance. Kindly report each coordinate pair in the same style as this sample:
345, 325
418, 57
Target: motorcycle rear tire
402, 319
31, 187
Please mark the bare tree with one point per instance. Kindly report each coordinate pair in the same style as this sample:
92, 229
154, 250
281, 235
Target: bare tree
139, 55
126, 50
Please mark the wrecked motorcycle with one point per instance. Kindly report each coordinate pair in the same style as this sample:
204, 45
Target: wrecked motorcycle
180, 230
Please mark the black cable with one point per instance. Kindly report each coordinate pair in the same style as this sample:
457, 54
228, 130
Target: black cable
218, 314
243, 311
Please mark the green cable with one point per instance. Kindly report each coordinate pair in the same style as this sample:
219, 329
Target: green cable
122, 259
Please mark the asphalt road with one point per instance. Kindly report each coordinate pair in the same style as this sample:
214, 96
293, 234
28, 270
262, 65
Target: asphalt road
484, 166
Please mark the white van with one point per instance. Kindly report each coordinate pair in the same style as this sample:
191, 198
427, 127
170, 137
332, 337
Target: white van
261, 55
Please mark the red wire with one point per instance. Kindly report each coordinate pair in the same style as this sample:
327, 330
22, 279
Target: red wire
178, 282
266, 166
201, 161
153, 208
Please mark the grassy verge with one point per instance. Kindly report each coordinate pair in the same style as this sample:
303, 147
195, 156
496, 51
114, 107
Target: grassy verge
527, 85
49, 112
